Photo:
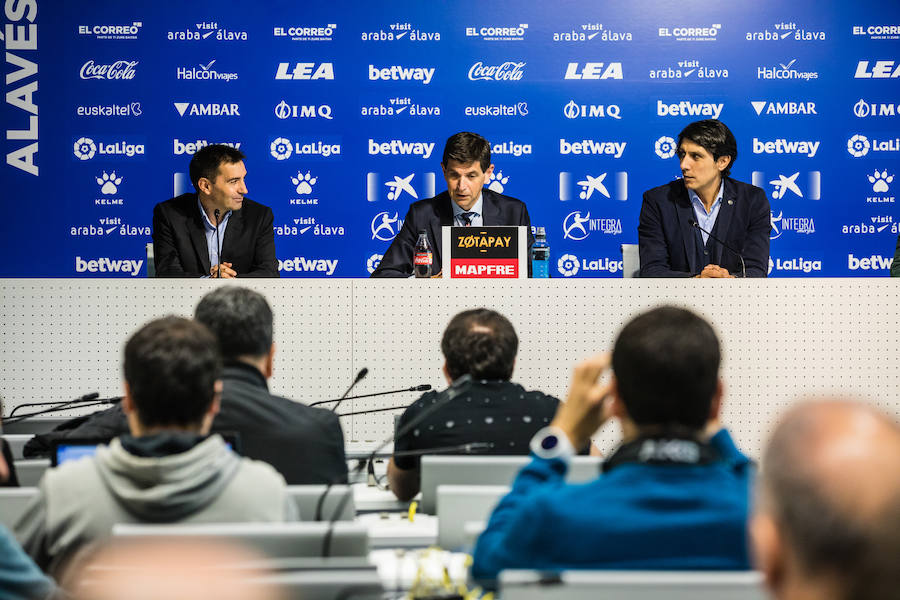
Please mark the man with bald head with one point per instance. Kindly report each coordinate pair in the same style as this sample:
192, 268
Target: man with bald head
827, 524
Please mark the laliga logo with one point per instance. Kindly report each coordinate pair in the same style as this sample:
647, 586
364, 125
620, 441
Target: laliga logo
567, 265
665, 147
85, 148
383, 226
281, 148
574, 221
858, 145
373, 262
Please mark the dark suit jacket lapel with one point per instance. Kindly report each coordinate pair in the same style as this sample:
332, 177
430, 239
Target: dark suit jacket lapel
723, 221
443, 217
491, 210
197, 231
684, 212
233, 232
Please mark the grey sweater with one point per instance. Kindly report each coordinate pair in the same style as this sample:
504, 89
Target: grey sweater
78, 503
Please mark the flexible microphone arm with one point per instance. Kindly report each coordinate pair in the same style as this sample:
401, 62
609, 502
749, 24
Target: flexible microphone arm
372, 410
66, 405
85, 398
218, 246
452, 392
359, 377
416, 388
727, 247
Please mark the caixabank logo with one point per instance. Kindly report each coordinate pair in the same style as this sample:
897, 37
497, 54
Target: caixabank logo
306, 147
785, 31
400, 106
592, 32
207, 31
401, 31
108, 148
595, 185
405, 187
689, 70
790, 186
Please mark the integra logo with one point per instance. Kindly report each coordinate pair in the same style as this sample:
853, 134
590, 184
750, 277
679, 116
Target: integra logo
121, 69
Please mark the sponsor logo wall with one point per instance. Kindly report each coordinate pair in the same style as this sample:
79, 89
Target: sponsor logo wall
343, 111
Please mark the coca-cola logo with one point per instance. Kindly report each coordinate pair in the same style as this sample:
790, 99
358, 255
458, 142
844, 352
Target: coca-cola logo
121, 69
508, 71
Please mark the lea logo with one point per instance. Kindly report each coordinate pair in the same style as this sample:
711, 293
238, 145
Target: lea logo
594, 70
881, 69
305, 71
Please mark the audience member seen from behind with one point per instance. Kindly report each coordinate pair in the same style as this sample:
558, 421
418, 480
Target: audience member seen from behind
306, 445
827, 522
674, 494
168, 469
491, 409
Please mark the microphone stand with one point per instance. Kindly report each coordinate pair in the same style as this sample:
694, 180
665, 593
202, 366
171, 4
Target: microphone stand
65, 405
373, 410
418, 388
726, 246
218, 247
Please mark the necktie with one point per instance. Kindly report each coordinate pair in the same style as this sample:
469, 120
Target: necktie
466, 218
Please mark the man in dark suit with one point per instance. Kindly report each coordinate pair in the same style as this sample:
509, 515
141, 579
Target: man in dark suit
673, 216
466, 164
215, 232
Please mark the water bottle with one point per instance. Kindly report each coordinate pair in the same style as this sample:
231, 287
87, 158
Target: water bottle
540, 255
422, 258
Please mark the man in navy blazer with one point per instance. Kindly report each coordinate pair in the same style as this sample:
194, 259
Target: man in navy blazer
673, 218
466, 164
186, 242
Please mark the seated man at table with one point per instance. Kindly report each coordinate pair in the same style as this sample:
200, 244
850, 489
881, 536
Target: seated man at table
466, 165
674, 495
480, 343
167, 470
705, 223
827, 520
217, 231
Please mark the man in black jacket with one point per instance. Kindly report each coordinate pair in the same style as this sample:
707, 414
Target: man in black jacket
217, 231
305, 445
467, 166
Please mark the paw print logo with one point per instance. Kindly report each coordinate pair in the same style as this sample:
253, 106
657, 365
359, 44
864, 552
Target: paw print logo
109, 182
304, 183
880, 181
567, 265
373, 262
858, 145
665, 147
281, 148
496, 182
85, 148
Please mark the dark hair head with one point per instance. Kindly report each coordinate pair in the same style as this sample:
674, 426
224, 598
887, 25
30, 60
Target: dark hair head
239, 318
466, 147
838, 512
715, 137
206, 161
666, 363
171, 367
481, 343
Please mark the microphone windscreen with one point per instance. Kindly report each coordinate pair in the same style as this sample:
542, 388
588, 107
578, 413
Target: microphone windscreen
423, 388
362, 373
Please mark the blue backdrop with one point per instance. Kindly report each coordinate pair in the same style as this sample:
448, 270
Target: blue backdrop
343, 108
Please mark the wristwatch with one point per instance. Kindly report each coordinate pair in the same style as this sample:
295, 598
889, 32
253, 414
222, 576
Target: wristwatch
552, 442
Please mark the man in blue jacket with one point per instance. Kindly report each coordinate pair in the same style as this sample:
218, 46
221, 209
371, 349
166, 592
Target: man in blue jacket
674, 495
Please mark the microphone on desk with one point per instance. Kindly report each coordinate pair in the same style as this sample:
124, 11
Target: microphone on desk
86, 400
470, 448
416, 388
452, 392
696, 225
359, 377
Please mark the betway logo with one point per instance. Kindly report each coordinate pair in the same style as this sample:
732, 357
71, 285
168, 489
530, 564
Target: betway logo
300, 264
783, 146
108, 265
873, 263
422, 149
179, 148
883, 69
305, 71
398, 73
207, 110
688, 109
592, 147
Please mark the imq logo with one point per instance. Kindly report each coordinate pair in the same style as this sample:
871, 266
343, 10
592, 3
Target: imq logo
283, 110
864, 109
573, 110
594, 71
